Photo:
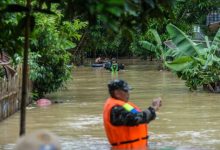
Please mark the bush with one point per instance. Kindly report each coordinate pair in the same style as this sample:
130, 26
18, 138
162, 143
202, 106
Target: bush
49, 71
49, 58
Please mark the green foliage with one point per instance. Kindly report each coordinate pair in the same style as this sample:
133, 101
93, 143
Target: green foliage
49, 71
138, 50
194, 12
158, 24
185, 46
197, 64
184, 14
216, 43
113, 23
71, 30
9, 37
118, 23
153, 47
49, 58
115, 13
101, 41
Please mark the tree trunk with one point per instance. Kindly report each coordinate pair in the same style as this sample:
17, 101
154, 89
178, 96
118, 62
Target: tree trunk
25, 76
79, 48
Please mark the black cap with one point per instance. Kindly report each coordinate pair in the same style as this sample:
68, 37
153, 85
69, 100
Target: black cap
118, 85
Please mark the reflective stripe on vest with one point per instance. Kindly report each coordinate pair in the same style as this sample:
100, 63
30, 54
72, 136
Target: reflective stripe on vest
129, 108
125, 137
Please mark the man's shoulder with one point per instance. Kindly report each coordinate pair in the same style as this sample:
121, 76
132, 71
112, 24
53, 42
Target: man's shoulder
112, 102
117, 109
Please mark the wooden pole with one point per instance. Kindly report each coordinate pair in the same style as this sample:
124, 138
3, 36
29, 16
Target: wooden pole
25, 75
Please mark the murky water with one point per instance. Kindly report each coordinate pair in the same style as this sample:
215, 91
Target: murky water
186, 121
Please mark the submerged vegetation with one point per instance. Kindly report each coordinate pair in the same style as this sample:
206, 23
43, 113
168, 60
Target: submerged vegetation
198, 64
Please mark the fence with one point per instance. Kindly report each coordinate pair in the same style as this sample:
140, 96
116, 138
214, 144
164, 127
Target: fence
10, 94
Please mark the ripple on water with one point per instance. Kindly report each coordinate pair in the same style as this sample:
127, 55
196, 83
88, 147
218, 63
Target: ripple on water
7, 147
84, 121
174, 145
185, 140
85, 143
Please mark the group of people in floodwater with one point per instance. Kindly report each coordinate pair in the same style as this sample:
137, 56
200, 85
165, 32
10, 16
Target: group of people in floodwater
108, 64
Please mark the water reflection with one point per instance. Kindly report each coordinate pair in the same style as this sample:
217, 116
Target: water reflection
188, 120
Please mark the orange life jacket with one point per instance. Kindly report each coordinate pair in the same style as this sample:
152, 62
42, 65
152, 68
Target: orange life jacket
124, 137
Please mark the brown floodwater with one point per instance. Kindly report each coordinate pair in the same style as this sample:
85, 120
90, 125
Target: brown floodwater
187, 120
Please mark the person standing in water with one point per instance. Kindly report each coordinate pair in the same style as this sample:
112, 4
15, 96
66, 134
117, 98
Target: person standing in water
114, 69
114, 65
126, 126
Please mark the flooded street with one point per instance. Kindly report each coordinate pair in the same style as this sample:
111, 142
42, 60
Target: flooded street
187, 120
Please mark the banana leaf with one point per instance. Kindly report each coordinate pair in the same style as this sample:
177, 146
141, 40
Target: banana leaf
170, 52
157, 49
216, 59
185, 46
216, 41
200, 60
202, 49
179, 64
147, 45
209, 61
156, 36
207, 42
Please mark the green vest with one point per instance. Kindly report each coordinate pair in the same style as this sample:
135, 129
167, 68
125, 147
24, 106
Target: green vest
114, 67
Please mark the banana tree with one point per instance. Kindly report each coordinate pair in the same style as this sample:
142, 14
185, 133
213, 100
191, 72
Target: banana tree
157, 48
196, 63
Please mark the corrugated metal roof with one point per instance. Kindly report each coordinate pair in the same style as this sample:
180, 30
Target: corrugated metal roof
213, 17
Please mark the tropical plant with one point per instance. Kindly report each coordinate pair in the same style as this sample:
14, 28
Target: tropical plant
50, 59
104, 42
114, 22
195, 12
114, 13
198, 64
184, 14
49, 71
26, 23
156, 48
10, 42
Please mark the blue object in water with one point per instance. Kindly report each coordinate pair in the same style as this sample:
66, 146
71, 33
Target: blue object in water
97, 65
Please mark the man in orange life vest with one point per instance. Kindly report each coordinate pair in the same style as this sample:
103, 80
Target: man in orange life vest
125, 124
